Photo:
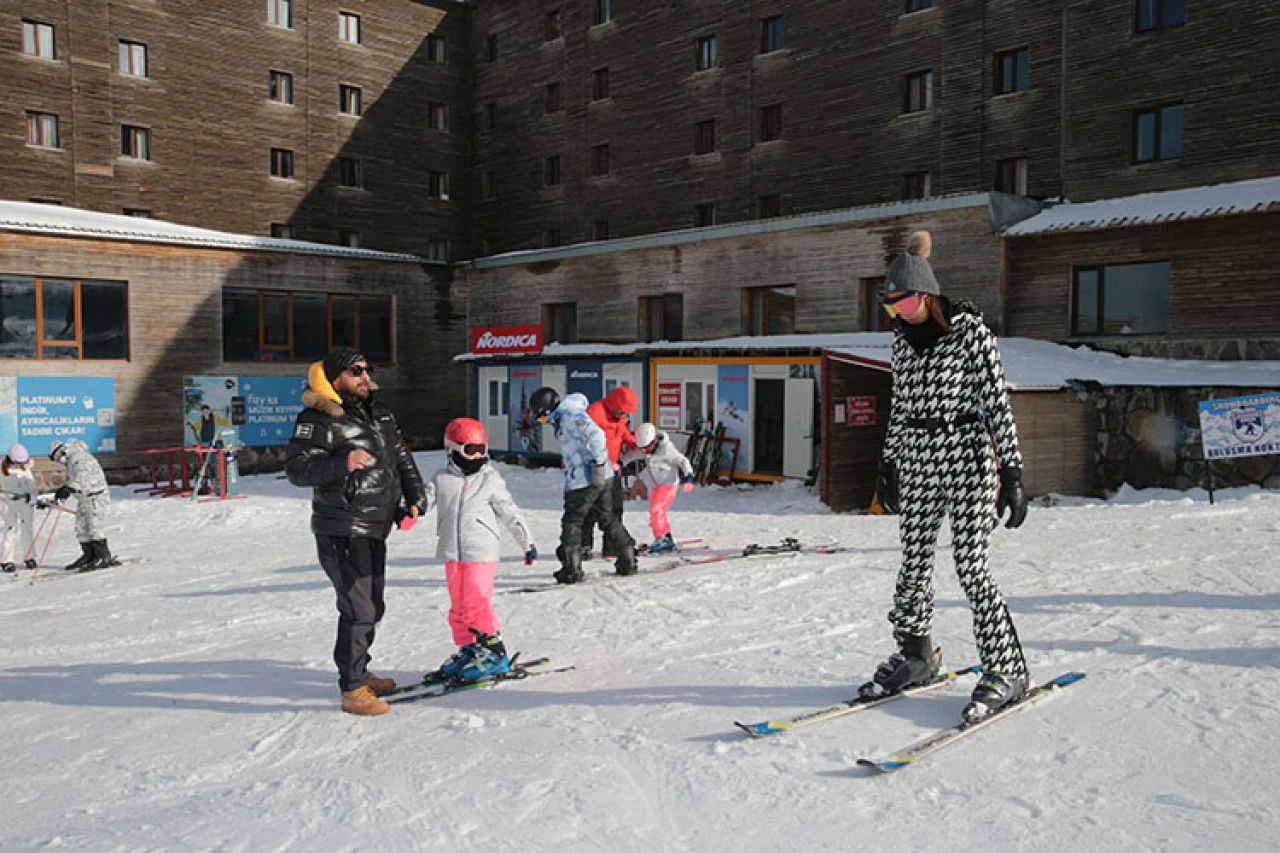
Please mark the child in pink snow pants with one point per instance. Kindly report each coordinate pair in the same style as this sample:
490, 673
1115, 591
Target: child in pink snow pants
472, 504
665, 470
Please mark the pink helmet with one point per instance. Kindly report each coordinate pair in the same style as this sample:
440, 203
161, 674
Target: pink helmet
467, 437
18, 455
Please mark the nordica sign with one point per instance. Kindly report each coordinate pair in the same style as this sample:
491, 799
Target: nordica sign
504, 340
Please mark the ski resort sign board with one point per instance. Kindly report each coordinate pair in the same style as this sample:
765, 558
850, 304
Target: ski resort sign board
1240, 426
506, 340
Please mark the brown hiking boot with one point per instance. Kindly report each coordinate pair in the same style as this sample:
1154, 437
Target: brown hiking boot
362, 701
381, 686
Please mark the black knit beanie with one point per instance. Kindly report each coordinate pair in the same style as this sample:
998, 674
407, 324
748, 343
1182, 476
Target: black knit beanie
339, 359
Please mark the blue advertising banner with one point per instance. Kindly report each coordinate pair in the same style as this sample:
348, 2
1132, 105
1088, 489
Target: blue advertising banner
39, 410
585, 378
733, 395
1240, 426
254, 411
526, 433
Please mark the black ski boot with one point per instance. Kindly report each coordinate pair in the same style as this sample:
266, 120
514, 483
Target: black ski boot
8, 568
102, 558
87, 557
571, 566
625, 565
916, 662
994, 691
31, 563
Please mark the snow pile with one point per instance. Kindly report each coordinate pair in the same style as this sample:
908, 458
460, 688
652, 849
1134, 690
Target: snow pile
187, 701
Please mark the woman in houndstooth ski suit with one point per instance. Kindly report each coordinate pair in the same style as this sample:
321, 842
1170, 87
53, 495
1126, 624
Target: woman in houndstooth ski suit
951, 437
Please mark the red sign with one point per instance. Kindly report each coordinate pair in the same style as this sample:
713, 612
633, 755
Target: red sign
860, 411
506, 339
669, 394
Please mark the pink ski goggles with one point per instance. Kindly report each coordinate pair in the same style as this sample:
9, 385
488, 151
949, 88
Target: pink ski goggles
468, 451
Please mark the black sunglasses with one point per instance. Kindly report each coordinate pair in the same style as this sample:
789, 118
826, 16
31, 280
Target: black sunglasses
360, 370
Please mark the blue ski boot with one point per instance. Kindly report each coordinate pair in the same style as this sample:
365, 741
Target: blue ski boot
452, 668
661, 544
488, 659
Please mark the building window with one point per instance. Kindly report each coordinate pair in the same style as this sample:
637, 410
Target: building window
280, 87
135, 142
281, 230
437, 116
438, 249
490, 116
280, 13
350, 100
600, 159
769, 310
600, 84
438, 185
704, 136
281, 163
772, 34
770, 123
300, 326
133, 58
42, 130
491, 47
63, 319
706, 53
769, 205
551, 171
488, 186
37, 40
551, 103
918, 92
499, 394
1011, 176
350, 172
915, 185
599, 229
1159, 14
603, 12
704, 214
1157, 134
138, 212
552, 29
918, 5
560, 323
349, 27
869, 300
1012, 71
662, 318
437, 49
1122, 299
350, 239
551, 237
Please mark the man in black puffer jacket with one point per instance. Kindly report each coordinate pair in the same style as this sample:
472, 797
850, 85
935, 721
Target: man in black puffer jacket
347, 448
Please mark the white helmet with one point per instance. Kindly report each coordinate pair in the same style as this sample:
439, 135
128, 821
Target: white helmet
646, 435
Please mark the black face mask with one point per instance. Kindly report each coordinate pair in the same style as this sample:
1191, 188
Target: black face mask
465, 465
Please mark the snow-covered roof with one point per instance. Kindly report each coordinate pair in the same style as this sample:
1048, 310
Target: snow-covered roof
32, 218
739, 343
1255, 196
1032, 365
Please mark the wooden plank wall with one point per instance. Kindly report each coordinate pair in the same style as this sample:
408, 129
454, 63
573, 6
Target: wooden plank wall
1057, 438
853, 453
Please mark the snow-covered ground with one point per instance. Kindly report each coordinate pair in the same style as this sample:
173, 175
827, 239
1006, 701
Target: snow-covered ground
187, 701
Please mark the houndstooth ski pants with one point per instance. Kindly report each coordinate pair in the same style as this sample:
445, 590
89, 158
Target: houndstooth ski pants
951, 471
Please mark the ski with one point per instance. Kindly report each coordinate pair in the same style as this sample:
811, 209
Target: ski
945, 737
681, 544
519, 672
849, 706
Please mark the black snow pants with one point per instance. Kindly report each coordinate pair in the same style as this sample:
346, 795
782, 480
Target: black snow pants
594, 518
598, 501
357, 567
951, 471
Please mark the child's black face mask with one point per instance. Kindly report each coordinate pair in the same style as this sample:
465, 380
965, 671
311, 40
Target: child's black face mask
465, 465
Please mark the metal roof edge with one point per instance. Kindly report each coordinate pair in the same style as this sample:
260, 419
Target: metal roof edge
863, 213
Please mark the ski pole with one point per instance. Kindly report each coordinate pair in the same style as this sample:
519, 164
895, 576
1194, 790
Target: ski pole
36, 537
49, 541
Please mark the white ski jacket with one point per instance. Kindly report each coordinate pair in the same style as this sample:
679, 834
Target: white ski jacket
84, 474
664, 466
468, 512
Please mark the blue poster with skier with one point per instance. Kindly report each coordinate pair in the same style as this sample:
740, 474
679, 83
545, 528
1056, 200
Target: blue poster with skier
526, 433
1240, 426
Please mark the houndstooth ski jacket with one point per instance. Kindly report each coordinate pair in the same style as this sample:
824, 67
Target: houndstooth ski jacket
961, 374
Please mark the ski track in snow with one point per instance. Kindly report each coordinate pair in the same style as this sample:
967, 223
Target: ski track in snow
187, 701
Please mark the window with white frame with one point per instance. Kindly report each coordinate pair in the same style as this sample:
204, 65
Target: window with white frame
133, 58
42, 130
280, 87
349, 100
280, 13
499, 391
37, 40
349, 27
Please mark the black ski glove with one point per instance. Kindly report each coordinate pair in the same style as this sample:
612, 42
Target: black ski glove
1012, 497
887, 486
64, 492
